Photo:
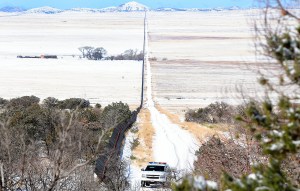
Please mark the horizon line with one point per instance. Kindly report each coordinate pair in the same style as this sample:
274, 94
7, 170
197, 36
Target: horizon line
144, 4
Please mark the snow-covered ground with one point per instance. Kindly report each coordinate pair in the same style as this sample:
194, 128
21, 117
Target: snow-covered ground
62, 34
204, 57
99, 81
205, 36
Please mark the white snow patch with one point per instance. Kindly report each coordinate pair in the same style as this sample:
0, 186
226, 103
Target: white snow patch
200, 183
276, 147
132, 172
262, 188
278, 133
212, 185
297, 143
127, 146
252, 176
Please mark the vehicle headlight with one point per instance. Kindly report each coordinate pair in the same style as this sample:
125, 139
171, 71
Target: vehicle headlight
143, 175
163, 176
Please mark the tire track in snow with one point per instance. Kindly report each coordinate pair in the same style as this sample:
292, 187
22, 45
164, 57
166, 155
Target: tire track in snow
164, 131
171, 143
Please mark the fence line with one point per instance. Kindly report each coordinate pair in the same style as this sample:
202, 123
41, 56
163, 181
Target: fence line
143, 66
115, 142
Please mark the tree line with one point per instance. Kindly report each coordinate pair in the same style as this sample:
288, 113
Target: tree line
100, 53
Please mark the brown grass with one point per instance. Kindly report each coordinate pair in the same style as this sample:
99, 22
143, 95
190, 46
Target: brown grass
143, 152
201, 132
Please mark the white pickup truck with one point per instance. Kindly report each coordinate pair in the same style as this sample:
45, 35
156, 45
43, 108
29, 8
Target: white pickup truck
156, 173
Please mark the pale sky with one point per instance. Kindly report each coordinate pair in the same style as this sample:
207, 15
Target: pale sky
65, 4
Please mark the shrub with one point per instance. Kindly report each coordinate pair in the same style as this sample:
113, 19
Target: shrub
213, 113
73, 103
98, 106
216, 156
134, 129
90, 115
153, 59
128, 55
36, 121
3, 102
135, 143
115, 114
50, 102
23, 102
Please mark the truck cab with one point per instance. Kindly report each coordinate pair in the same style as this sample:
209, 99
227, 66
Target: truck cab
155, 173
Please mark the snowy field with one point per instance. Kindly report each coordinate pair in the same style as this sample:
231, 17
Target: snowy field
205, 36
62, 34
100, 82
202, 57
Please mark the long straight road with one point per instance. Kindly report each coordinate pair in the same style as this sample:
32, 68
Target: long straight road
171, 143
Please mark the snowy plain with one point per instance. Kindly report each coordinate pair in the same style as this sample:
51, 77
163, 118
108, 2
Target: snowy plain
101, 82
63, 33
68, 76
199, 58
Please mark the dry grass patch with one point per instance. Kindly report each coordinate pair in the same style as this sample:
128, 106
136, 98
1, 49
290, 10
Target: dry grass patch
223, 127
201, 132
143, 152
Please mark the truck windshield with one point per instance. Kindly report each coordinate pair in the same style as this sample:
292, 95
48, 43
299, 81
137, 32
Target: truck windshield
155, 168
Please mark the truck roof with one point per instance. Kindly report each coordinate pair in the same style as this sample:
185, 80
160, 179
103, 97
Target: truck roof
158, 163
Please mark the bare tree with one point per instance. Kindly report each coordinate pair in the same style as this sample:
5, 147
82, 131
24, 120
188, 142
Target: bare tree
27, 164
87, 51
116, 178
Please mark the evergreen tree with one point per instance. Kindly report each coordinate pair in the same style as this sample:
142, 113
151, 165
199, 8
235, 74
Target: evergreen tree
276, 123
